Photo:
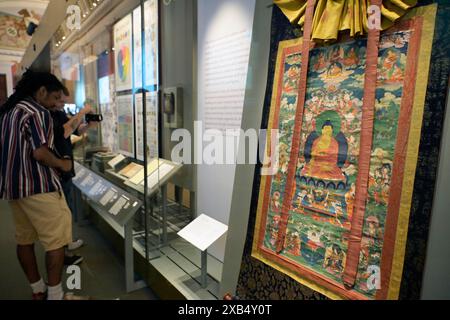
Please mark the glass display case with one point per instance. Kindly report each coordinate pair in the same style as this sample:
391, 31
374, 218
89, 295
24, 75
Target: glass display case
113, 71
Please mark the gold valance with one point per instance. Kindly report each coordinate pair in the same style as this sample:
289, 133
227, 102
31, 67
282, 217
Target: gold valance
332, 16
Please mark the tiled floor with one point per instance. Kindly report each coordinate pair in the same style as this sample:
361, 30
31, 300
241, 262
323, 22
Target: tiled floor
102, 272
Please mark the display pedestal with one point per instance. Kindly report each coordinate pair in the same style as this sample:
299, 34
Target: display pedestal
204, 269
131, 283
202, 233
116, 207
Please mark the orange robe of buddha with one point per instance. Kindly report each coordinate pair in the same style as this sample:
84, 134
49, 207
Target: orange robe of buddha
324, 157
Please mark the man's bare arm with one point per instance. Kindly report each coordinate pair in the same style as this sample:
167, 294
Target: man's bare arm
47, 158
72, 125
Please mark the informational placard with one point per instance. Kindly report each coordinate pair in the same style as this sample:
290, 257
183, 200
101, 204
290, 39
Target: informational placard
123, 53
203, 232
105, 196
224, 41
224, 57
125, 130
110, 195
151, 42
137, 48
118, 205
152, 125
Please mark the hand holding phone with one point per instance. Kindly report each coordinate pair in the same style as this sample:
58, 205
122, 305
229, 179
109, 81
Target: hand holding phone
90, 117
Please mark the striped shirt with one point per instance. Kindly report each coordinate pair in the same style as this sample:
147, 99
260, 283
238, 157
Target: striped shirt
23, 129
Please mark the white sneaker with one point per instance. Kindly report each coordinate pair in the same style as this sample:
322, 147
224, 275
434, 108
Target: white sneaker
71, 296
75, 244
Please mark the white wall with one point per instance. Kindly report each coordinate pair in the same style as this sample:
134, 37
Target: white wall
218, 22
436, 279
251, 118
5, 68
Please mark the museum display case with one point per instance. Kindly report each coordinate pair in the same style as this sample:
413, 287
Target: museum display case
112, 66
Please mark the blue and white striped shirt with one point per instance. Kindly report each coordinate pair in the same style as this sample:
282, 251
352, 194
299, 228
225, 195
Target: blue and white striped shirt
23, 129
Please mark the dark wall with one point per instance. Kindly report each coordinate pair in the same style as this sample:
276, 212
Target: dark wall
42, 63
259, 281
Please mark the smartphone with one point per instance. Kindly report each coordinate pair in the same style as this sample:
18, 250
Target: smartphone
93, 117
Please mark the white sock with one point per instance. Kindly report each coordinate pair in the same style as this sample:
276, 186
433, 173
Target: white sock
56, 292
39, 287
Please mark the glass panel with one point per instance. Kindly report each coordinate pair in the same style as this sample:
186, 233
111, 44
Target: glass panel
113, 72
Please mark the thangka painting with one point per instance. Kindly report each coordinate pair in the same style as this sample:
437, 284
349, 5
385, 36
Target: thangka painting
314, 245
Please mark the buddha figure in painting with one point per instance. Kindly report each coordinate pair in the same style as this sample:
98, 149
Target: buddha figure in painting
324, 155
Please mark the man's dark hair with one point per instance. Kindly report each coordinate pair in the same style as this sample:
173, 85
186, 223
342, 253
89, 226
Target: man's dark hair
66, 91
28, 85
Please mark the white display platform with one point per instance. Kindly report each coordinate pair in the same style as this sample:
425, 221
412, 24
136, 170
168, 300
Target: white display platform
203, 232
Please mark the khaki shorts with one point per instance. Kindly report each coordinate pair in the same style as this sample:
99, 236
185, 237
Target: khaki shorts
44, 217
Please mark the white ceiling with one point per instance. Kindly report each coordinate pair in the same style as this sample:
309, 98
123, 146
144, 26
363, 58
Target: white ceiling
12, 7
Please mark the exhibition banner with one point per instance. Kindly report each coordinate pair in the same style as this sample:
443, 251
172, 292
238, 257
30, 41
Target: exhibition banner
151, 43
122, 53
108, 109
125, 125
152, 125
137, 48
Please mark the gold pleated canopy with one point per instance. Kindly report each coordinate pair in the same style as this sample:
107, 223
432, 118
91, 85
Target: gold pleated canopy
332, 16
